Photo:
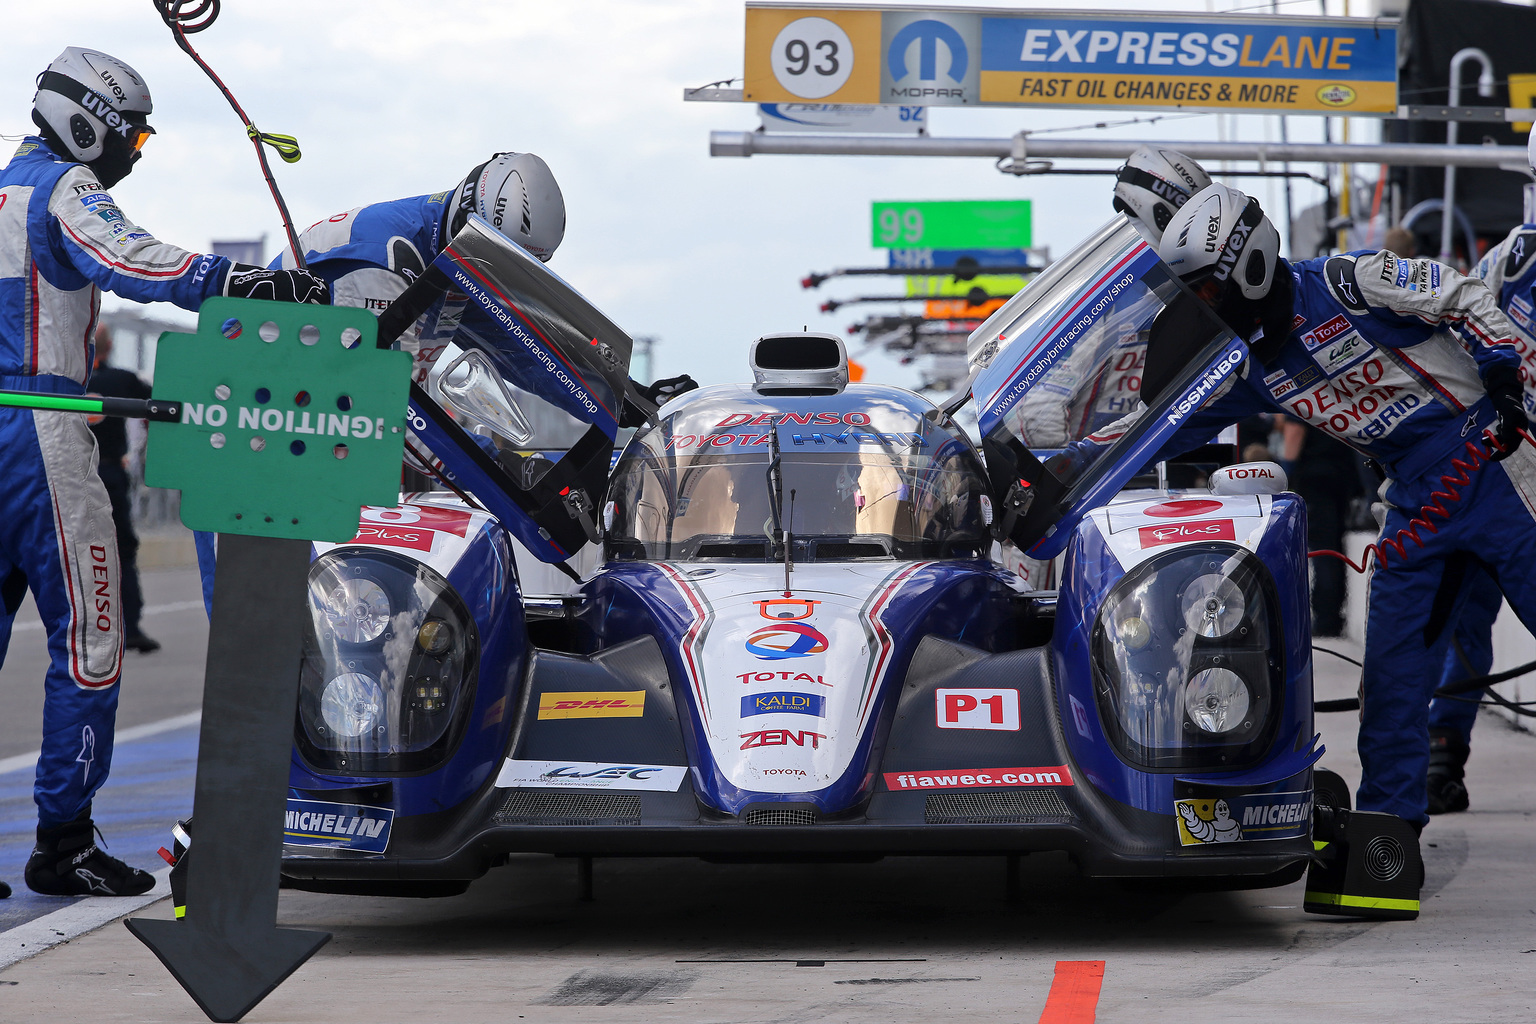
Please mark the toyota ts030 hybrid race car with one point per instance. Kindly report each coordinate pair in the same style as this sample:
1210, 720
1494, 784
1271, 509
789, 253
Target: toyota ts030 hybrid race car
795, 631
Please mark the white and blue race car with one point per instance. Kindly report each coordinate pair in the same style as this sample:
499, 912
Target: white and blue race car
809, 632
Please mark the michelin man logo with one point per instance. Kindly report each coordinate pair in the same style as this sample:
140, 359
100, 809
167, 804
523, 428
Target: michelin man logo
1206, 821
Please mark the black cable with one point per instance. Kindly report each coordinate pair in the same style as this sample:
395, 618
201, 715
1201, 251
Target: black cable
1336, 654
1451, 691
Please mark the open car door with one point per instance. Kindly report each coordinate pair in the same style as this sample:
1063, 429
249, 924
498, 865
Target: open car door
486, 293
1108, 344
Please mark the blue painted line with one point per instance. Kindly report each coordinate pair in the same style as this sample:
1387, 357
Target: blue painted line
150, 787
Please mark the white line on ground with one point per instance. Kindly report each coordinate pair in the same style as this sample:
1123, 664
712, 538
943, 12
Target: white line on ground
154, 609
73, 921
137, 732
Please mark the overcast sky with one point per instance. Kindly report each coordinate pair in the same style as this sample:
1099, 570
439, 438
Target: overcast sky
392, 99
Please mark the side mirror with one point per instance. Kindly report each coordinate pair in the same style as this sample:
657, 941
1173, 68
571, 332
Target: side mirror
472, 388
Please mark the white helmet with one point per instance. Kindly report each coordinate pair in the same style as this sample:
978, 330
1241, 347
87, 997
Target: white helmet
1222, 236
96, 108
519, 196
1154, 184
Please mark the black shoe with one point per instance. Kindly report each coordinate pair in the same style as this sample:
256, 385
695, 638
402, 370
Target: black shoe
67, 862
141, 643
1445, 780
5, 891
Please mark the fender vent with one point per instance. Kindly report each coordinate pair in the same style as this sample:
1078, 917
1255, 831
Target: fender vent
779, 816
1006, 807
533, 807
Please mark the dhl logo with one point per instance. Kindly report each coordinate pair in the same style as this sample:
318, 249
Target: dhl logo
592, 704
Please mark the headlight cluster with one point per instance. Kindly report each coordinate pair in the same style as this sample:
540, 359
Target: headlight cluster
1183, 669
389, 665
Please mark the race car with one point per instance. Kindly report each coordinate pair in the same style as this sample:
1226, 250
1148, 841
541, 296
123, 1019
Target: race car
802, 637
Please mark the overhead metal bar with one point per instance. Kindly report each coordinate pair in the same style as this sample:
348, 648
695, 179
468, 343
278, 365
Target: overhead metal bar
1025, 147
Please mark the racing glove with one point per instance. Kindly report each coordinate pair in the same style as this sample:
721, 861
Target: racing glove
249, 282
667, 389
660, 392
1508, 397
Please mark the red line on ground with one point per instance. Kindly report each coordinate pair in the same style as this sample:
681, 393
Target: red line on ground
1074, 997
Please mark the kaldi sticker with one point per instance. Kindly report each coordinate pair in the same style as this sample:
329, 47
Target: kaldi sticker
1179, 533
979, 778
977, 709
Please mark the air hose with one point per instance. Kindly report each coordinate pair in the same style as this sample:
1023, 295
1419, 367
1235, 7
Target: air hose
202, 13
1453, 482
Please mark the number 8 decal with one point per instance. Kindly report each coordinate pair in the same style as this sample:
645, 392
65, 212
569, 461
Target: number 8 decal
812, 58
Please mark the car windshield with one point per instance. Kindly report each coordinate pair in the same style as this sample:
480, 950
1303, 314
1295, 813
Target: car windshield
863, 474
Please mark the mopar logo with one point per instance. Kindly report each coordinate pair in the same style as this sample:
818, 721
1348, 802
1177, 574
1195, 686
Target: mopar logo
928, 34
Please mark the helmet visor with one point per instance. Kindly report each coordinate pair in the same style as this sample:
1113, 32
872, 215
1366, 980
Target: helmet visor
138, 135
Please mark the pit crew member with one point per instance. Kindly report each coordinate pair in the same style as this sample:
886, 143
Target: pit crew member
63, 239
1404, 360
1509, 271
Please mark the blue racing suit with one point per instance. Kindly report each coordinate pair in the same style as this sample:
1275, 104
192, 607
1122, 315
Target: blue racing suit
1509, 271
1388, 355
370, 254
62, 241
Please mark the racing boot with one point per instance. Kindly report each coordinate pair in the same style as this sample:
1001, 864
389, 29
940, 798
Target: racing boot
1445, 779
1366, 864
67, 862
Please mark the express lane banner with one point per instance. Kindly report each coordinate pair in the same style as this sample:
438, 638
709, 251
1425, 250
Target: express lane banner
986, 57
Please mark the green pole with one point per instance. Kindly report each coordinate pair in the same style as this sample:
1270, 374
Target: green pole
145, 409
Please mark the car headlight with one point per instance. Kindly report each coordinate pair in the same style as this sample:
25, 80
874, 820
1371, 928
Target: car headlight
390, 657
358, 610
352, 704
1182, 665
1217, 700
1213, 605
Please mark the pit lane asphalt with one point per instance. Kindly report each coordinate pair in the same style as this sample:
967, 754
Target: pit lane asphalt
904, 939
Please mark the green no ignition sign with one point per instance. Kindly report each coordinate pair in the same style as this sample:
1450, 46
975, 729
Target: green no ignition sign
952, 224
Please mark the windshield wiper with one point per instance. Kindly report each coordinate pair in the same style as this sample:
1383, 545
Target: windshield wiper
775, 480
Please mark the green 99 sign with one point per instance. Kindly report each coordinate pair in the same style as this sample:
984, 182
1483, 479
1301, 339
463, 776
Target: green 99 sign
958, 224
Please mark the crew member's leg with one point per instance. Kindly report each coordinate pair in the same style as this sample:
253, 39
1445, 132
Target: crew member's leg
1406, 599
62, 537
1451, 718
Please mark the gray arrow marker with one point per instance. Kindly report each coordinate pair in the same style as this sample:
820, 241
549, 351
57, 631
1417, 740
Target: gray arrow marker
228, 952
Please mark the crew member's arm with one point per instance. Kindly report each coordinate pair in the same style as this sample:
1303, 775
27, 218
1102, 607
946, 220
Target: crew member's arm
89, 232
1400, 290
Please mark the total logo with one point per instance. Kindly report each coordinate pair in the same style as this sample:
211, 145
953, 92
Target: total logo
786, 640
